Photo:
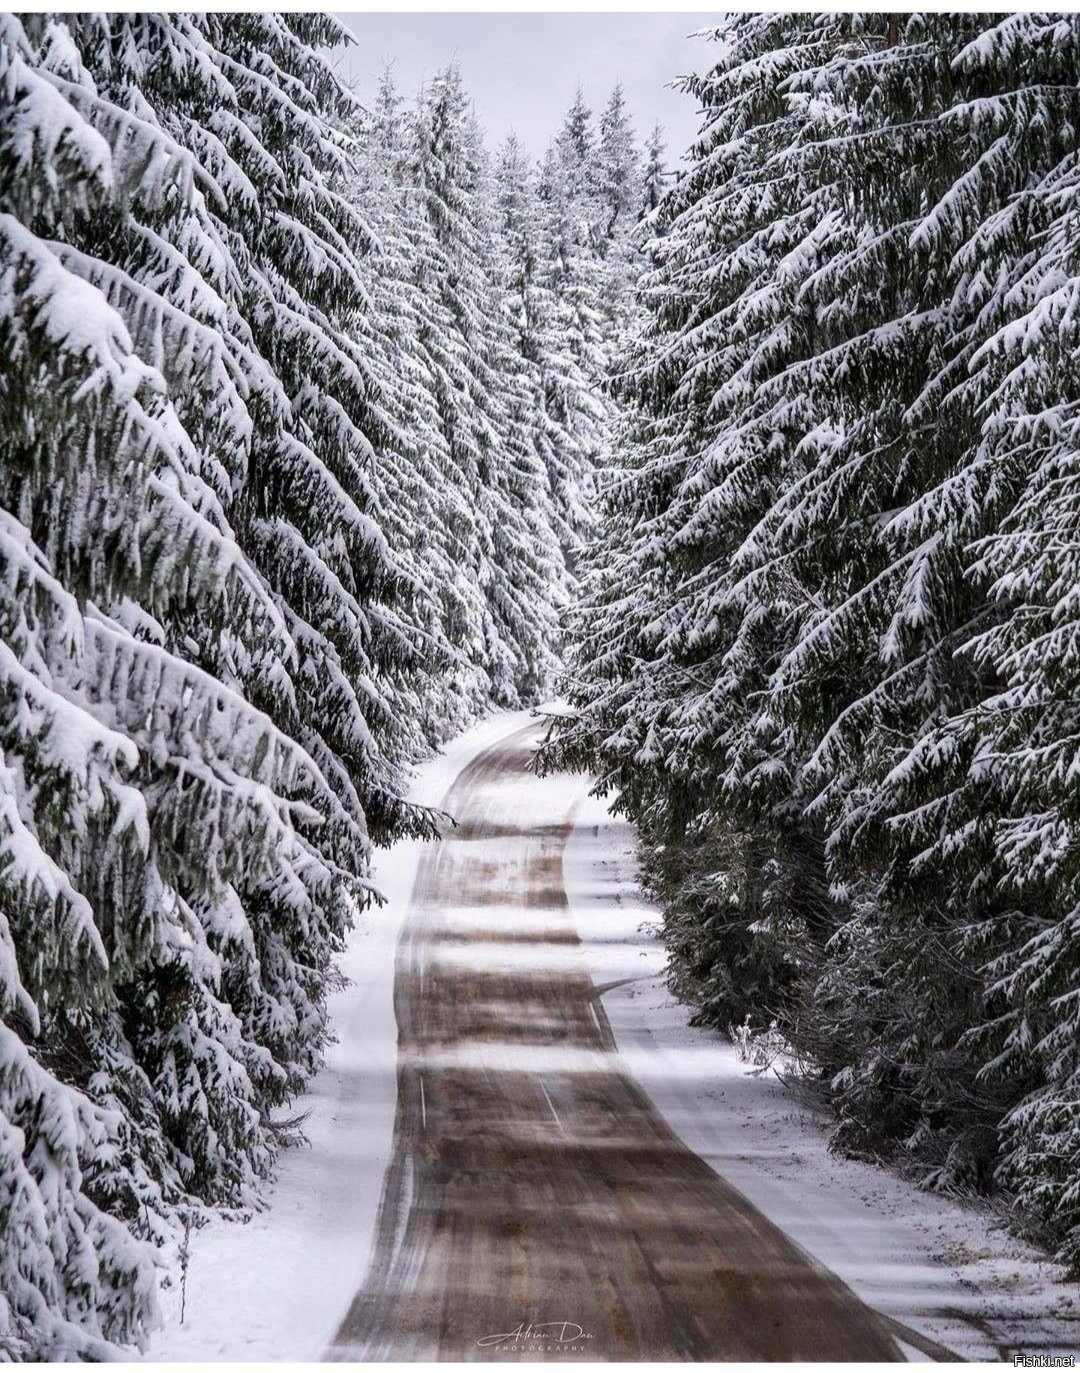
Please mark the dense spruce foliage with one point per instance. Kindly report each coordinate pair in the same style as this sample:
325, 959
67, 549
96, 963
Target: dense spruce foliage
298, 410
829, 646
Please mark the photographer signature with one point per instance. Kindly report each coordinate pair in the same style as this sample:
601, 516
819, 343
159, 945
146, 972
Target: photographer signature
557, 1332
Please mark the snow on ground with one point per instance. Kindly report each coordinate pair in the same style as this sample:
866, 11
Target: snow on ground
277, 1287
941, 1267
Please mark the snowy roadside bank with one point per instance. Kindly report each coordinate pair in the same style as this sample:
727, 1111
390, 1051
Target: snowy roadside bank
940, 1267
276, 1287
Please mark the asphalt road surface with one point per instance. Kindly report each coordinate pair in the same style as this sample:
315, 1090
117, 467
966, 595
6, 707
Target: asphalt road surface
537, 1207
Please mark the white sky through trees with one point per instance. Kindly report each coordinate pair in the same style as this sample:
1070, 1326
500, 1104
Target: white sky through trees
522, 69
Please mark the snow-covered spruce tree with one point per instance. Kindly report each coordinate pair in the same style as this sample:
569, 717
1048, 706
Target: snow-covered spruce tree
594, 180
574, 146
573, 214
589, 262
482, 395
100, 491
429, 514
280, 262
656, 175
934, 145
618, 188
306, 512
673, 652
579, 356
565, 444
194, 625
834, 618
985, 797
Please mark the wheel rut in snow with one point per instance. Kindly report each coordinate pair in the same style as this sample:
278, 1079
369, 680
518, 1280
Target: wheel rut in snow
536, 1204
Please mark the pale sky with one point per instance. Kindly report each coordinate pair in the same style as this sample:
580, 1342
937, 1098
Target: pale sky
522, 69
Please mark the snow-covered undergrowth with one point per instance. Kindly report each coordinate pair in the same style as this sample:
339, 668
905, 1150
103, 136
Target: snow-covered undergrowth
943, 1268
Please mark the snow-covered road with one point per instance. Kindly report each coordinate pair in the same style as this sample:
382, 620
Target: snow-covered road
570, 916
537, 1203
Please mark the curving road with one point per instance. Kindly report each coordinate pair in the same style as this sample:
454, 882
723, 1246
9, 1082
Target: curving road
537, 1206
